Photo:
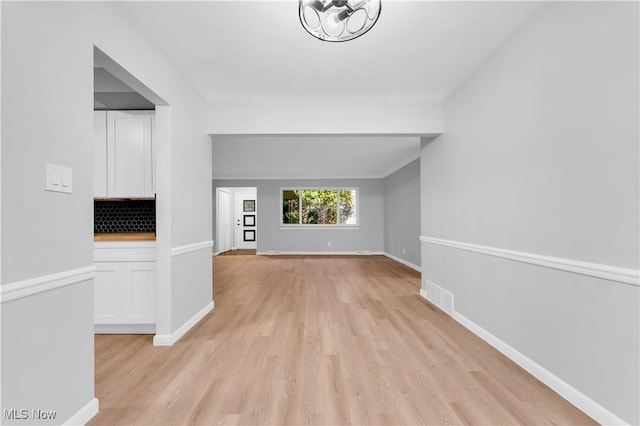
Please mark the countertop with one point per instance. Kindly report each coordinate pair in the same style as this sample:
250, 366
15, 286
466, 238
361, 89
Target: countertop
132, 236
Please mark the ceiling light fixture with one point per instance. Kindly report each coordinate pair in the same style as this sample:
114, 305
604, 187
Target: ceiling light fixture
339, 20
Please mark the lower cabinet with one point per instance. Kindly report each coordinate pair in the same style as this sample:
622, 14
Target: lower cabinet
124, 289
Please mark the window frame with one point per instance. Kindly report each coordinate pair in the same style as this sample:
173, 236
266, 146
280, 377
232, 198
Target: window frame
320, 225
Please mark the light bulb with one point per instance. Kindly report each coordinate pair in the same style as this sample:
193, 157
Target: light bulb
332, 25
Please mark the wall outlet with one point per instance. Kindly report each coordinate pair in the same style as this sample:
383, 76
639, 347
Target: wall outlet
404, 251
329, 244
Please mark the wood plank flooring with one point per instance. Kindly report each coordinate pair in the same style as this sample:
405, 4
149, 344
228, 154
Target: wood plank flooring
319, 340
239, 252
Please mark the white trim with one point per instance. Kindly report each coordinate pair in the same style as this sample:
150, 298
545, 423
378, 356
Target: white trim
404, 262
170, 339
564, 389
83, 415
606, 272
590, 407
587, 405
320, 253
176, 251
33, 286
423, 294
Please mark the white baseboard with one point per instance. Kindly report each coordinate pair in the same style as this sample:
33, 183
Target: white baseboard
320, 253
562, 388
404, 262
124, 328
83, 415
170, 339
423, 294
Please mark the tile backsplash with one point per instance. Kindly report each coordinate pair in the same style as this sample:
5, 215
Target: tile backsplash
111, 216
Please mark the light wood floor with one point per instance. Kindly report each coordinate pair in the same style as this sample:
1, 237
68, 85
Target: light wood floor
240, 252
319, 340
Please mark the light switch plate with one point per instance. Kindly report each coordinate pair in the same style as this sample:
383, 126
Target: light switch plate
59, 179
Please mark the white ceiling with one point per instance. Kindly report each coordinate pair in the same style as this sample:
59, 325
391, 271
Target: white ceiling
251, 49
257, 50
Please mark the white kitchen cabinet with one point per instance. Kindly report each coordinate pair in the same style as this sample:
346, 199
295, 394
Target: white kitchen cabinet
139, 279
106, 308
125, 287
100, 154
124, 154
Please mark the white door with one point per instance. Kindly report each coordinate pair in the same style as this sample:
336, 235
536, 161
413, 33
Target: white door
224, 221
246, 210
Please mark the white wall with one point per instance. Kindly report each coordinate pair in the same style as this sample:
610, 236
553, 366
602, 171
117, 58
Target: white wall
47, 353
47, 109
191, 201
325, 116
270, 237
47, 339
402, 213
540, 155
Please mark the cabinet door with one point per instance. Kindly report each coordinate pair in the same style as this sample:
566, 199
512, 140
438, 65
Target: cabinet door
129, 153
100, 154
140, 285
108, 293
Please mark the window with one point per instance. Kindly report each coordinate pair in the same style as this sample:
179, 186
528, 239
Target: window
319, 206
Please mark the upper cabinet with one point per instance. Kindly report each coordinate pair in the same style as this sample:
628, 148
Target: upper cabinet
100, 154
124, 154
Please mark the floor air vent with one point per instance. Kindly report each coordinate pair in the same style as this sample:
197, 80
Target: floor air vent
440, 297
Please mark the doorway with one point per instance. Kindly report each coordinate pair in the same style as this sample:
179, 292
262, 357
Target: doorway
224, 197
237, 219
132, 289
